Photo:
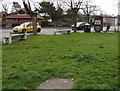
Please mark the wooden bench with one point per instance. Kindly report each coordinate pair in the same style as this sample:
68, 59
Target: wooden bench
62, 31
12, 36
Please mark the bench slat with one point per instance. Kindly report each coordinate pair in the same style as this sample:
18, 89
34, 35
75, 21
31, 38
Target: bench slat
17, 36
62, 31
17, 33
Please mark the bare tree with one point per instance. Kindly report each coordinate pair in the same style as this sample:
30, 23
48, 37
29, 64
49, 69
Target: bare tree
75, 6
5, 5
15, 7
89, 9
32, 14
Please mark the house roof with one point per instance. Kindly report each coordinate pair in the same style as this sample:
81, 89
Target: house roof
20, 16
21, 11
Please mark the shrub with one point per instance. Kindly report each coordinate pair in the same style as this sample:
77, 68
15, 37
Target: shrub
66, 25
44, 23
15, 24
3, 25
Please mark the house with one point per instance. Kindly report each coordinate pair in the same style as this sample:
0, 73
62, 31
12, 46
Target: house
19, 17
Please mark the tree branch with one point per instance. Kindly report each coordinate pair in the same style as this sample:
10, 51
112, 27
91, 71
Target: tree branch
26, 7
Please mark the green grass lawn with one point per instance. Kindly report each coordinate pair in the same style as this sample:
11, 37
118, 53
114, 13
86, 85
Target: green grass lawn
91, 59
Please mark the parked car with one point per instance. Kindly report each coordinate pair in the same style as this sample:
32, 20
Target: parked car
27, 26
80, 25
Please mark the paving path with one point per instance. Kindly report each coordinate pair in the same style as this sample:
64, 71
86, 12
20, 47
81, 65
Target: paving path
56, 83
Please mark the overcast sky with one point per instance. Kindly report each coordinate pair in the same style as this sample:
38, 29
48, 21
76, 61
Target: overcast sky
108, 6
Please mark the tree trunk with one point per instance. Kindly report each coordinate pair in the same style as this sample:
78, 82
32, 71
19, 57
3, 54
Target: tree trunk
75, 22
75, 29
88, 18
34, 22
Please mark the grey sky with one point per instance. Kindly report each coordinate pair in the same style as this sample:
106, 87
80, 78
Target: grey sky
108, 6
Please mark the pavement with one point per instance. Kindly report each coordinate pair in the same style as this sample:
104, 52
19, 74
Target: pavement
56, 83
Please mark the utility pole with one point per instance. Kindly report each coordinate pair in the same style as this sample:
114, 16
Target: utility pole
118, 14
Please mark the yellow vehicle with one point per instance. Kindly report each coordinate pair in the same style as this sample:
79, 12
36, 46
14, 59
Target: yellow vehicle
26, 27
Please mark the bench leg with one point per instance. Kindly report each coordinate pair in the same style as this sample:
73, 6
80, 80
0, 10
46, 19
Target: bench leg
68, 32
25, 37
20, 38
4, 41
10, 40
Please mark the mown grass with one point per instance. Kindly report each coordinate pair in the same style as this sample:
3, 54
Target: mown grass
91, 59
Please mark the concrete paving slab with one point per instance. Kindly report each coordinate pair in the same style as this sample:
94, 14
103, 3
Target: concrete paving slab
56, 83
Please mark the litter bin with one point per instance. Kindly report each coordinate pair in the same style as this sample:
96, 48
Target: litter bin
87, 28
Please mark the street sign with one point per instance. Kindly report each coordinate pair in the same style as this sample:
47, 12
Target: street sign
97, 22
